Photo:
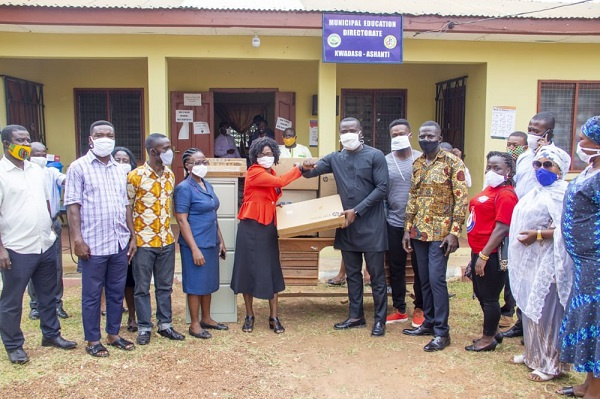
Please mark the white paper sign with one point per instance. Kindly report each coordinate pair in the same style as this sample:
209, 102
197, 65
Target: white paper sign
503, 121
184, 116
313, 133
192, 99
282, 123
184, 132
201, 128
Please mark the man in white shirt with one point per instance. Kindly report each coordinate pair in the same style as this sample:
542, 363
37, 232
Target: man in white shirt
225, 144
26, 246
53, 180
291, 149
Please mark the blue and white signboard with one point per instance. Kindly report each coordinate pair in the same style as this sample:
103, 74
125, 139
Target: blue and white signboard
362, 39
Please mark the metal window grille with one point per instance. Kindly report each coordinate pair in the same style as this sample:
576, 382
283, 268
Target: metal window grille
124, 108
25, 106
375, 109
450, 96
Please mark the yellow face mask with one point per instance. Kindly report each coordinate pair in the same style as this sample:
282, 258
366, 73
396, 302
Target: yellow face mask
289, 142
20, 152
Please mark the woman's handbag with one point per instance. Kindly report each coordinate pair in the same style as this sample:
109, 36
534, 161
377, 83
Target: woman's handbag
503, 255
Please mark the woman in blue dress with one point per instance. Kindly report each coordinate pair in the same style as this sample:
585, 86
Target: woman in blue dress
580, 330
200, 241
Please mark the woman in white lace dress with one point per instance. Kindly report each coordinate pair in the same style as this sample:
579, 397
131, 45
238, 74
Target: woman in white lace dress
540, 269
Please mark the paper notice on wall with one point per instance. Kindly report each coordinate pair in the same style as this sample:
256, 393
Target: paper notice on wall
184, 116
503, 121
184, 132
283, 123
201, 128
192, 99
313, 133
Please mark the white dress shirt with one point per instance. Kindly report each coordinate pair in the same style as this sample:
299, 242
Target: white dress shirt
224, 143
25, 223
299, 151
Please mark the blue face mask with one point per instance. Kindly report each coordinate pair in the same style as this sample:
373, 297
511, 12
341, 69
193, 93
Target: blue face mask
545, 177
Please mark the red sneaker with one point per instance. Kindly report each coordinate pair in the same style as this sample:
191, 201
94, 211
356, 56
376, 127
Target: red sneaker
417, 318
396, 317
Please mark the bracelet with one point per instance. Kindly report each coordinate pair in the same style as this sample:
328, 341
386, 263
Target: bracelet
539, 235
484, 257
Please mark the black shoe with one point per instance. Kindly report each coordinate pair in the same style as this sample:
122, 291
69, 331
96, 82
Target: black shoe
419, 331
171, 334
202, 334
437, 344
513, 332
248, 324
378, 329
60, 312
17, 356
58, 342
34, 315
349, 323
218, 326
275, 325
143, 337
499, 337
488, 348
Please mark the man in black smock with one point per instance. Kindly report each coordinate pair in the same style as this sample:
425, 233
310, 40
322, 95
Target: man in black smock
361, 176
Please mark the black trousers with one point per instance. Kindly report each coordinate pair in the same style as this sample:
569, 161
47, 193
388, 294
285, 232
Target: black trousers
508, 309
353, 261
488, 289
397, 260
41, 270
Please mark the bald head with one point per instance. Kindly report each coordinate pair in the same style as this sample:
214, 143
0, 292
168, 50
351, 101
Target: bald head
38, 149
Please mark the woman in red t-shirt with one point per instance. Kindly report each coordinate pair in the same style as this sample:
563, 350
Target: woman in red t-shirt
256, 268
488, 223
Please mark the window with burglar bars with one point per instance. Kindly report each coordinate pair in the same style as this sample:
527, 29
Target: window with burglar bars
572, 103
25, 106
375, 109
124, 108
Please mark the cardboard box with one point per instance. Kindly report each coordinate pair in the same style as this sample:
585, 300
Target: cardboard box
327, 185
285, 164
311, 216
293, 196
226, 167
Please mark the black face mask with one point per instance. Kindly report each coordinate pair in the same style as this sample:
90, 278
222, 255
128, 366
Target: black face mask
429, 147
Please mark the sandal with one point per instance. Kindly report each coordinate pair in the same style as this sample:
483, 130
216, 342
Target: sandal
539, 376
122, 344
248, 324
97, 350
336, 282
568, 391
275, 325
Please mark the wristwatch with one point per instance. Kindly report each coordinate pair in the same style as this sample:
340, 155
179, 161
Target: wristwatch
539, 235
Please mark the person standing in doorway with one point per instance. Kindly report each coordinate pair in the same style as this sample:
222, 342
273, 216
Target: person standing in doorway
225, 143
290, 147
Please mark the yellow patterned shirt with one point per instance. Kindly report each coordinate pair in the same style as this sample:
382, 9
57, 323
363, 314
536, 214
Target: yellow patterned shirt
151, 196
437, 201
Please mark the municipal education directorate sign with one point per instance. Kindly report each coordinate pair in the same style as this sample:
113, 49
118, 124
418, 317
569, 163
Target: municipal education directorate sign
362, 39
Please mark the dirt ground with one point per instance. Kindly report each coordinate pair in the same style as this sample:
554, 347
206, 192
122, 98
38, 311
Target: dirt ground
310, 360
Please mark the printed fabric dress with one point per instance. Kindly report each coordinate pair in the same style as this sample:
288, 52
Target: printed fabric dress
580, 330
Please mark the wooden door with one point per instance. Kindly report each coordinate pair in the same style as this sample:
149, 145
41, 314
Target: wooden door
197, 138
285, 107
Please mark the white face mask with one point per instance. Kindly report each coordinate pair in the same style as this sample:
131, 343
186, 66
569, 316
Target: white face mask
42, 161
125, 167
493, 179
350, 141
103, 147
400, 143
587, 158
266, 162
532, 141
200, 170
166, 157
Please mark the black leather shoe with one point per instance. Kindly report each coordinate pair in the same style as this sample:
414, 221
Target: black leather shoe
275, 325
60, 312
437, 344
202, 334
17, 356
349, 323
34, 314
143, 337
488, 348
171, 334
248, 324
419, 331
218, 326
378, 329
513, 332
58, 342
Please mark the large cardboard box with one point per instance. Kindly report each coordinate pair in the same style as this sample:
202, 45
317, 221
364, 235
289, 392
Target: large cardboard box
285, 164
311, 216
293, 196
327, 185
226, 167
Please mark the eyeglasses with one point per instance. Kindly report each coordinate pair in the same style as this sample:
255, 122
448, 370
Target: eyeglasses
545, 164
205, 162
262, 154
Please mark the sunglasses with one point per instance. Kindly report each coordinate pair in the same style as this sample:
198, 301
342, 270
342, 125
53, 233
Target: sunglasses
545, 164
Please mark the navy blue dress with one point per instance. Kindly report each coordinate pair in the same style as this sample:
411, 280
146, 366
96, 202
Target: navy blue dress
201, 207
580, 330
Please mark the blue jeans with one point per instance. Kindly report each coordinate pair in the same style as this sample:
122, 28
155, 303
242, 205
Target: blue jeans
160, 263
107, 272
